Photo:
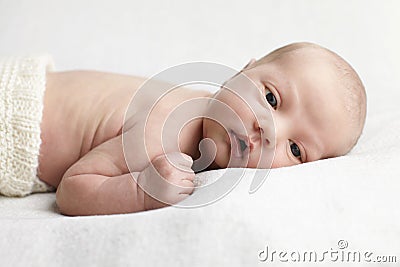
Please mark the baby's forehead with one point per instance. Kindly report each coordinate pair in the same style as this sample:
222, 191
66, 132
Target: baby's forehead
306, 58
303, 59
310, 68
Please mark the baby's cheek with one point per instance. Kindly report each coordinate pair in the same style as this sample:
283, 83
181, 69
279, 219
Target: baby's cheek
222, 156
258, 160
281, 159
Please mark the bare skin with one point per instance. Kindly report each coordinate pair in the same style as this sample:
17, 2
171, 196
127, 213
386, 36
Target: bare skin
82, 147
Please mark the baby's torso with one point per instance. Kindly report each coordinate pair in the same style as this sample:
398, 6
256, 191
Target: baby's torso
83, 109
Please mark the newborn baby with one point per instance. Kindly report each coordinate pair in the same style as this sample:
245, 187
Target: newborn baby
315, 100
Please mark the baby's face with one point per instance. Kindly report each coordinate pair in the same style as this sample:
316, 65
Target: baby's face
290, 113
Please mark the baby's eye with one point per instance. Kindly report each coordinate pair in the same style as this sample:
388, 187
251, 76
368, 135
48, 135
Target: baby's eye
271, 99
294, 148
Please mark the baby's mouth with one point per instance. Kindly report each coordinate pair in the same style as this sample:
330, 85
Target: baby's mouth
243, 145
238, 145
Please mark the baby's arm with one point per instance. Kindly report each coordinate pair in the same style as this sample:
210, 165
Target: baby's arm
97, 184
100, 183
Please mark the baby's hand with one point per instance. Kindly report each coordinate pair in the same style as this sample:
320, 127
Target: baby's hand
167, 180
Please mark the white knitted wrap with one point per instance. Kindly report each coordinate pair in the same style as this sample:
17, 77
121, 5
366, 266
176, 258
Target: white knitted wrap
22, 86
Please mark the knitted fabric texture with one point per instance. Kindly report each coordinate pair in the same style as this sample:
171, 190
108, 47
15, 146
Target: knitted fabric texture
22, 86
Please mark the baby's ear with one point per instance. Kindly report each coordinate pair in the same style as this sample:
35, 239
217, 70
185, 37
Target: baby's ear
248, 65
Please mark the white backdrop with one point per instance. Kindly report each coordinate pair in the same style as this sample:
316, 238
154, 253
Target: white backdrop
145, 37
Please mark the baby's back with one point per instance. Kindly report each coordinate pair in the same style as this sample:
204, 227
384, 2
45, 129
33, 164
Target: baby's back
82, 109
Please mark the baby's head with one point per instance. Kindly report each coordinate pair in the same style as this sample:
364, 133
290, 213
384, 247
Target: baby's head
316, 105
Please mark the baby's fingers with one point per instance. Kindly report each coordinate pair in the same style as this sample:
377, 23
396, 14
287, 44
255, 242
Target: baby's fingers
187, 187
181, 161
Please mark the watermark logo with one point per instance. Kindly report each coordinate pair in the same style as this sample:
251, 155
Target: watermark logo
235, 109
342, 244
340, 254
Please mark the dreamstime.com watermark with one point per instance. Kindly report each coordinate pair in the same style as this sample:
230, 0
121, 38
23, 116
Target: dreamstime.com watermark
340, 254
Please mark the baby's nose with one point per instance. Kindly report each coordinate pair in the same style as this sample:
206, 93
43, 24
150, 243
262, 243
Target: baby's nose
263, 137
264, 134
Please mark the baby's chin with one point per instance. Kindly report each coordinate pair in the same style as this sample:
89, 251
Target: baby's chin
220, 161
214, 166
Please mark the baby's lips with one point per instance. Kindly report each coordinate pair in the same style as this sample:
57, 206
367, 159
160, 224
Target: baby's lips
235, 150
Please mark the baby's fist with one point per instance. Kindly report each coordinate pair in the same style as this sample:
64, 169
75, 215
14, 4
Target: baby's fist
167, 180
